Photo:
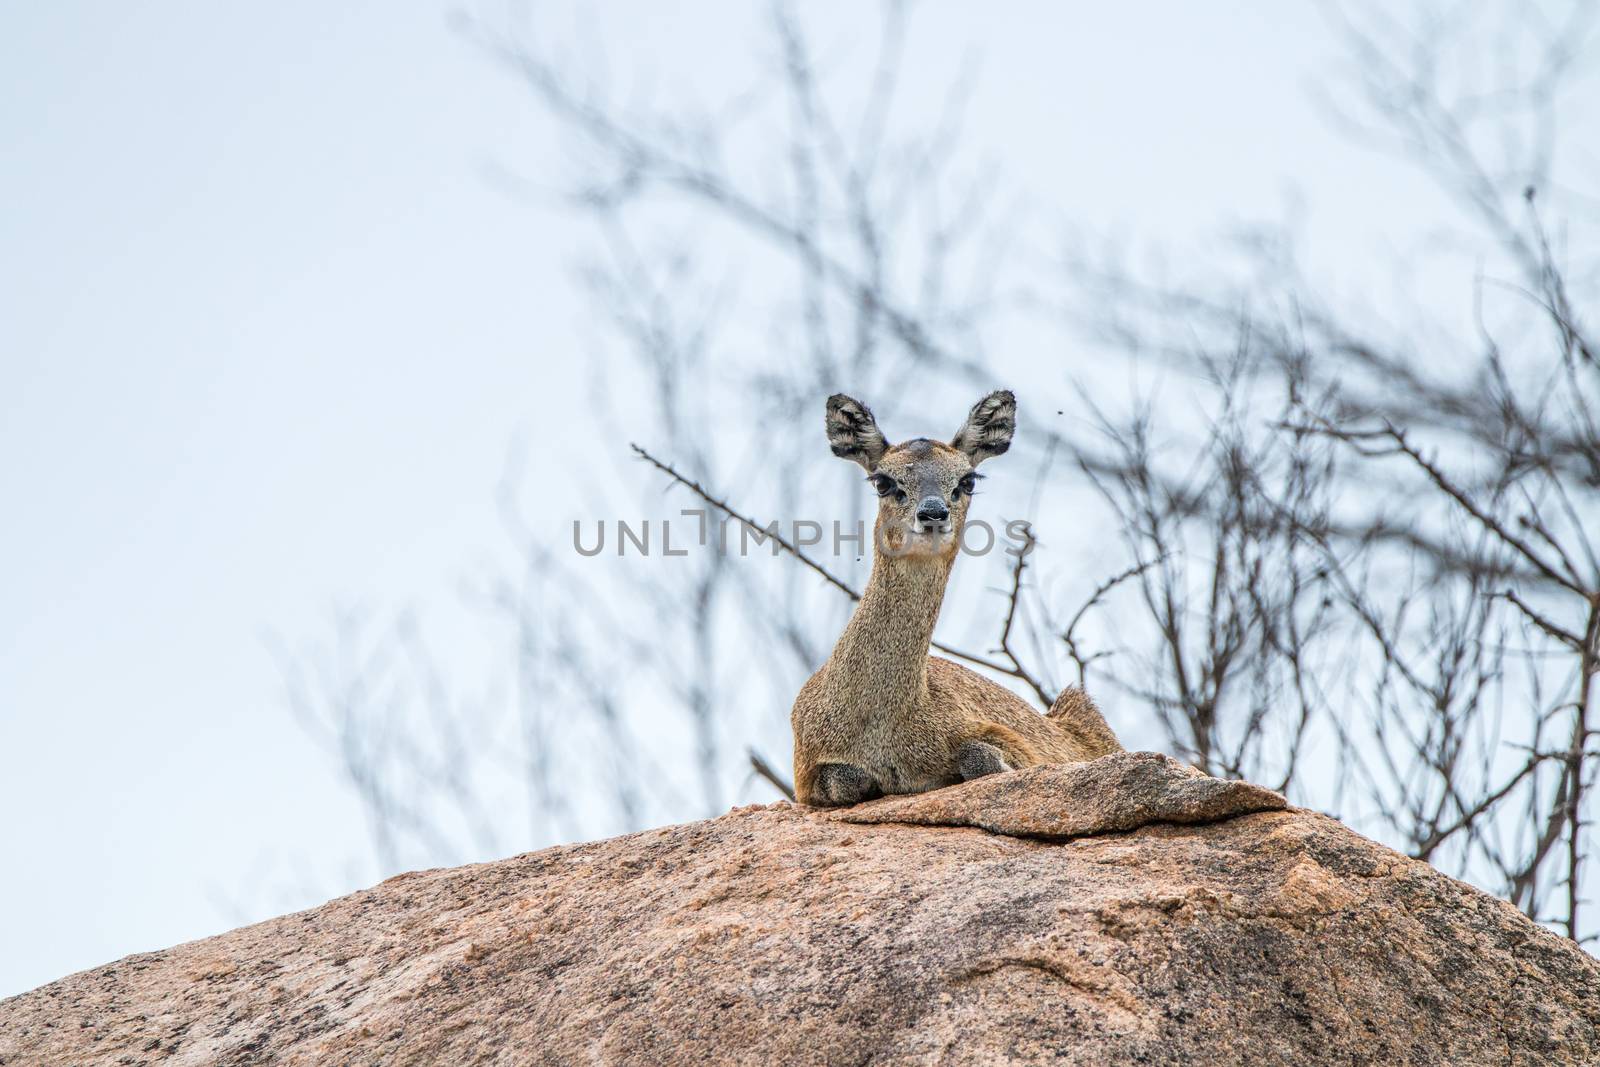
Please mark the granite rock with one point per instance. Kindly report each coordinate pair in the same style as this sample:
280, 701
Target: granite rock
1127, 910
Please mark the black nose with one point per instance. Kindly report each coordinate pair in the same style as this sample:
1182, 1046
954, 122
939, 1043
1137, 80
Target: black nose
932, 509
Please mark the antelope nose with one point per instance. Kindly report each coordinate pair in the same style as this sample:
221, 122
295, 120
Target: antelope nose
932, 509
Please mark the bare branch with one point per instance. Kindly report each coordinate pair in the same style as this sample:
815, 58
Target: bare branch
764, 769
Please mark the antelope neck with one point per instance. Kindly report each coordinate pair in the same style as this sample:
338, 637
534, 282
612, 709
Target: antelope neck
881, 660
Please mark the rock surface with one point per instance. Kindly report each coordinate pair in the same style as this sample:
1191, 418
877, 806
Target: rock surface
1120, 793
1122, 911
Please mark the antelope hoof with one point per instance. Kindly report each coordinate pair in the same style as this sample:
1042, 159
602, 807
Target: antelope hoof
978, 758
839, 784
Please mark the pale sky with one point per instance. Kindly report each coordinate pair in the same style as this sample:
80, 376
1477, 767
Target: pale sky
267, 330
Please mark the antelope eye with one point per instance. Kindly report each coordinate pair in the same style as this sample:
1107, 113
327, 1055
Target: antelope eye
884, 484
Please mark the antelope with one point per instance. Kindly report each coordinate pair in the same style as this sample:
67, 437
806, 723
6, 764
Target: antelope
882, 716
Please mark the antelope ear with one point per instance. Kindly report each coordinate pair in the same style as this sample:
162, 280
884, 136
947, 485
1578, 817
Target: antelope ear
989, 426
853, 433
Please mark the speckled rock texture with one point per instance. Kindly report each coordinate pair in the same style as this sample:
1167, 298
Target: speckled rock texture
1118, 793
1123, 911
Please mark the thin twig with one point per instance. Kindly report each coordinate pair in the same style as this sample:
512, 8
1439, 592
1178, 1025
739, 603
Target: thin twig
1566, 637
764, 769
1444, 484
1100, 592
1012, 601
766, 531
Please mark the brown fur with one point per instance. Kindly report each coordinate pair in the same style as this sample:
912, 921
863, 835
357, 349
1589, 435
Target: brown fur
881, 703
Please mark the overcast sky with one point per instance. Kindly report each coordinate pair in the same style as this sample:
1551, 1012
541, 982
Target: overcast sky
267, 330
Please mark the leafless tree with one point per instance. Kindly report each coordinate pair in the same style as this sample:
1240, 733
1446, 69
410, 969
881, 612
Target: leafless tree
1450, 533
